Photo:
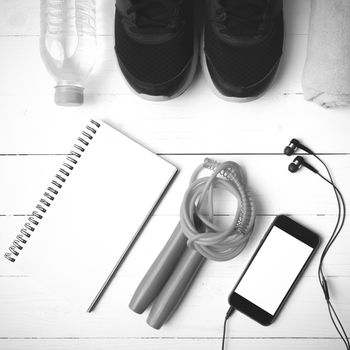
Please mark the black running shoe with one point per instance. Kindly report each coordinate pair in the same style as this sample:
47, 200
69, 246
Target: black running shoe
242, 46
155, 46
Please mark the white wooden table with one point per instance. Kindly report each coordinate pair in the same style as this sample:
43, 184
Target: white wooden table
183, 131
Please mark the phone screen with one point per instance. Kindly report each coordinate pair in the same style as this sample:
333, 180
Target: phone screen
273, 270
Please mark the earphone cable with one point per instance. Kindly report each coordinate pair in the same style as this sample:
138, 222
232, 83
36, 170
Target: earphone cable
224, 334
341, 212
338, 195
294, 144
340, 331
321, 277
228, 315
340, 218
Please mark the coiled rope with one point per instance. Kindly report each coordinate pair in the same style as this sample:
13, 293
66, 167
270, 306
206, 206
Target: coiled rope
215, 242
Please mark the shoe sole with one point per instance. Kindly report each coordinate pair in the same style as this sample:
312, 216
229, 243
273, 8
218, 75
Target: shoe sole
212, 85
182, 89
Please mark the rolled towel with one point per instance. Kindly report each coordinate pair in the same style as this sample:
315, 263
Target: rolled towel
326, 76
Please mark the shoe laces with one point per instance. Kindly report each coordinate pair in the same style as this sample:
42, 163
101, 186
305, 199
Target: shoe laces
155, 16
243, 17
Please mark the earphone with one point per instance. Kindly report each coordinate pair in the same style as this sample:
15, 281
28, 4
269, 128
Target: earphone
297, 164
293, 146
293, 167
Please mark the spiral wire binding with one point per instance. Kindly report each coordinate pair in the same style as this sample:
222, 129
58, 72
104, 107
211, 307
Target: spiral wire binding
52, 191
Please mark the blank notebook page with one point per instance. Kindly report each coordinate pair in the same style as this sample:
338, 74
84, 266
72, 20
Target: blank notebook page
101, 206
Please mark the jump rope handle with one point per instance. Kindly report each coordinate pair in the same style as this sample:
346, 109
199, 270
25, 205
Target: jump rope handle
175, 288
168, 279
159, 272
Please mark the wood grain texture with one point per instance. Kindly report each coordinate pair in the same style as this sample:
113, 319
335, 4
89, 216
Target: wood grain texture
22, 19
157, 232
277, 195
35, 134
31, 311
35, 311
264, 126
185, 125
171, 344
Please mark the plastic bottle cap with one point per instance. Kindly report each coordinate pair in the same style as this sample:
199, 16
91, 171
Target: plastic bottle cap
69, 95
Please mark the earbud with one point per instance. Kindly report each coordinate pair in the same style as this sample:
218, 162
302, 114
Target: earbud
292, 147
295, 165
298, 163
294, 144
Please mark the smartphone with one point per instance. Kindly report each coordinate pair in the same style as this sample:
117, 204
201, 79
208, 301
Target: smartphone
274, 270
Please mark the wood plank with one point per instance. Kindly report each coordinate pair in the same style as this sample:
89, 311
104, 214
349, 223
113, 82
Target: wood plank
171, 344
159, 228
22, 18
28, 310
106, 77
177, 126
265, 126
185, 125
24, 179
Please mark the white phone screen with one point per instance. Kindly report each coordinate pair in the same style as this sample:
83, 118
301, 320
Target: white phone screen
273, 270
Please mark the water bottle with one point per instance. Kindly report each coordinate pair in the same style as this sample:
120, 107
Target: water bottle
68, 45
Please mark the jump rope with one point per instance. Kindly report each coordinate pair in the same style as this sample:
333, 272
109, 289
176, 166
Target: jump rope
195, 238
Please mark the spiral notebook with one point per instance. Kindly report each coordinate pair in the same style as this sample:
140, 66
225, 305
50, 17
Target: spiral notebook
86, 220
